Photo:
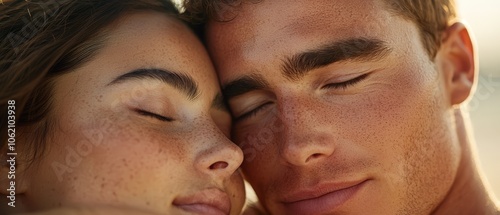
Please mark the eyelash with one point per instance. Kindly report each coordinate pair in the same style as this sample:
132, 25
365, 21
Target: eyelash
253, 112
153, 115
344, 85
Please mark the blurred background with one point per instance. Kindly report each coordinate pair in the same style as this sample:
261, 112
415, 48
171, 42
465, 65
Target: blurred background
483, 17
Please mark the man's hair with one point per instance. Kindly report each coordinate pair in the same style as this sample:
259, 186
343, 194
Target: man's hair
431, 16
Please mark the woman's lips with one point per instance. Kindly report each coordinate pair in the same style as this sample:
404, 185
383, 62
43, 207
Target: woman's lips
209, 201
321, 199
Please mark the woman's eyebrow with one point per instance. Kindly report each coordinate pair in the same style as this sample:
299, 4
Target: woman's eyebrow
182, 82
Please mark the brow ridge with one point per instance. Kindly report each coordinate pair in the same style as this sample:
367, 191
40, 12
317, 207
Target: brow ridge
298, 65
244, 84
182, 82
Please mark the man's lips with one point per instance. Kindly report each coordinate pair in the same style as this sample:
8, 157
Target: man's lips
209, 201
322, 198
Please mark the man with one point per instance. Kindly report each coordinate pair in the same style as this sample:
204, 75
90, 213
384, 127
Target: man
349, 106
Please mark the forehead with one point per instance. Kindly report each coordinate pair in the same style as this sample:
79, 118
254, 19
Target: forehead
268, 29
146, 40
300, 15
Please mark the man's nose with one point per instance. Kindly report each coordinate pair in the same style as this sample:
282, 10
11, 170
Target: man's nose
306, 136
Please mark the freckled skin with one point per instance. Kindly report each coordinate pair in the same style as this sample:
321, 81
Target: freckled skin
129, 160
398, 128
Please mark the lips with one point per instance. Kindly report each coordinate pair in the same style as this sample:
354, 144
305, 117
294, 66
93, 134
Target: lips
208, 202
321, 199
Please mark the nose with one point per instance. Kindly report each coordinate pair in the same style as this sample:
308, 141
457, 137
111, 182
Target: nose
221, 158
307, 135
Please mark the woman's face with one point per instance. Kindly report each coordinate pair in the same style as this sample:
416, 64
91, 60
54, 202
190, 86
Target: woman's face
141, 125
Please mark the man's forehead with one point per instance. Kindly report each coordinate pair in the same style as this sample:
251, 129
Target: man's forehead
280, 19
295, 14
272, 30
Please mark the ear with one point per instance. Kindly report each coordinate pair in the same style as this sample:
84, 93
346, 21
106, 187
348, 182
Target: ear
457, 60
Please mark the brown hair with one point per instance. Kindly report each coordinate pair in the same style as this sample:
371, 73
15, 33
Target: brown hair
43, 39
431, 16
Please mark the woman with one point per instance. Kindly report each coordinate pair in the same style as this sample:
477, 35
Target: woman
117, 105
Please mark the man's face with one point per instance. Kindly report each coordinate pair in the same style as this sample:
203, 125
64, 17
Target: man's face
338, 108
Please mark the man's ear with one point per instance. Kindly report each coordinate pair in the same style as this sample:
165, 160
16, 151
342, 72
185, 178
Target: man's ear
458, 61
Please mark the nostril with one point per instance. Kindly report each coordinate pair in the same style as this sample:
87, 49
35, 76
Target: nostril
219, 165
313, 156
316, 155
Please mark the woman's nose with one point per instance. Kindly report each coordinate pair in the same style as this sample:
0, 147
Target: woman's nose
221, 159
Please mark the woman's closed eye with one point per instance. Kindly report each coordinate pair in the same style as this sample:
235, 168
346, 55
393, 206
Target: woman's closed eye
154, 115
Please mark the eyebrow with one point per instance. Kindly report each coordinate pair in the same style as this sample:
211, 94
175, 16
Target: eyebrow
244, 85
182, 82
298, 65
362, 48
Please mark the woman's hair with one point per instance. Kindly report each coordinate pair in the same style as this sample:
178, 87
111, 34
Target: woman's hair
432, 17
43, 39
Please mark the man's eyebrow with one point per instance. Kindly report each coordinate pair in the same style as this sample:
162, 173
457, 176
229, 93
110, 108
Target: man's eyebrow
244, 85
182, 82
298, 65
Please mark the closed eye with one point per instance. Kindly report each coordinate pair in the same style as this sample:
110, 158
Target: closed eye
253, 112
153, 115
344, 85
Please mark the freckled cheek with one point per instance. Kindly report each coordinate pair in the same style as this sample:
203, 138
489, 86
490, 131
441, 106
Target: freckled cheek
145, 154
236, 190
376, 118
125, 169
261, 152
259, 144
